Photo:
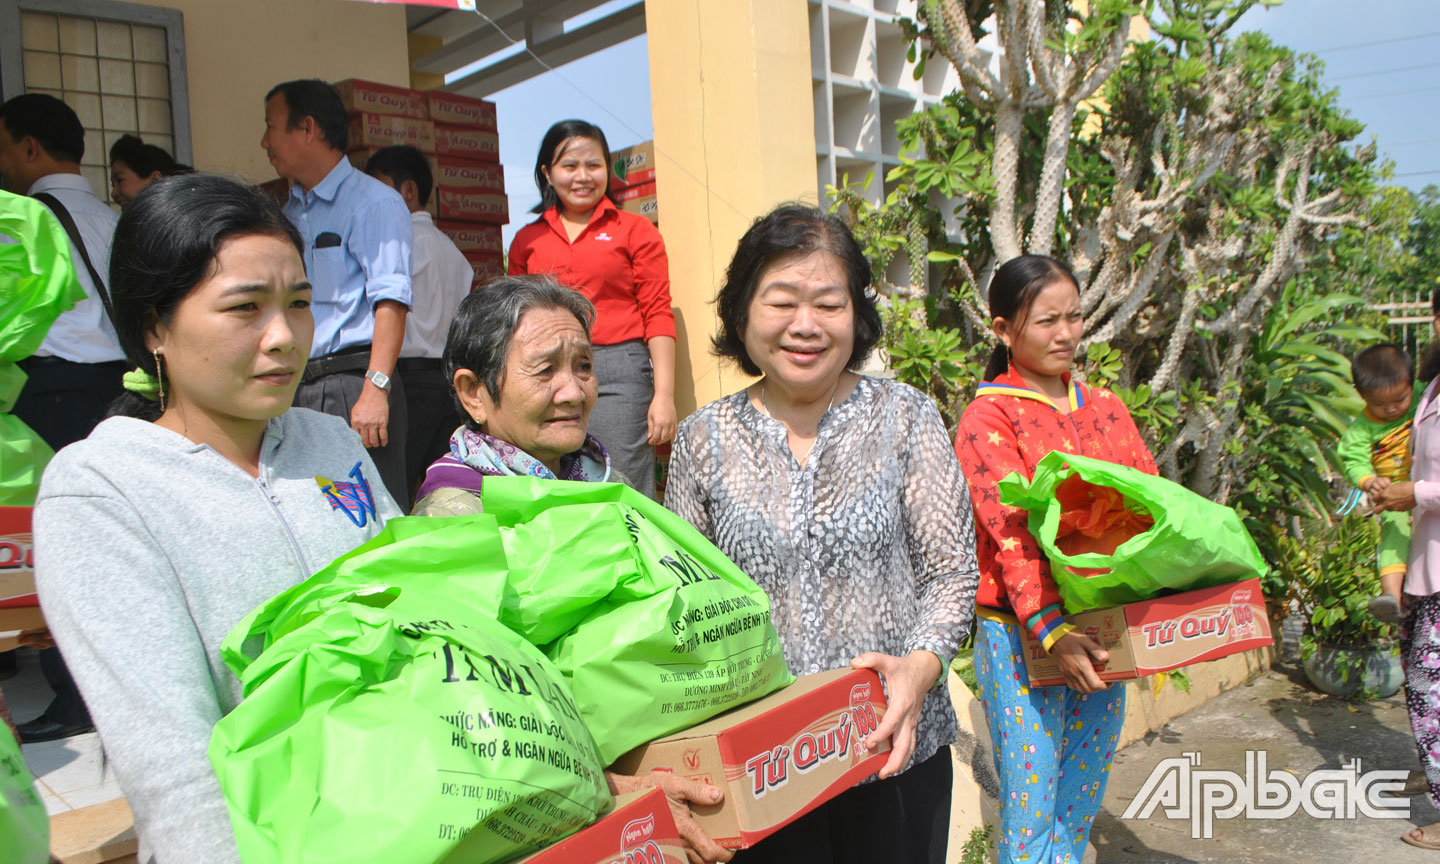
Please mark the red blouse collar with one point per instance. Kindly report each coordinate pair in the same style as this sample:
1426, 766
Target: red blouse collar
552, 217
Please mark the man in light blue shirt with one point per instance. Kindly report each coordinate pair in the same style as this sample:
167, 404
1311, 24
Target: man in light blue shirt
358, 244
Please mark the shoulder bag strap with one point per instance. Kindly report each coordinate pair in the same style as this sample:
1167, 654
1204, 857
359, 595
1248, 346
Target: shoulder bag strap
68, 223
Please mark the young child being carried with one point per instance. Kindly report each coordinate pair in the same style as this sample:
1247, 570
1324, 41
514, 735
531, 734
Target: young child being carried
1375, 452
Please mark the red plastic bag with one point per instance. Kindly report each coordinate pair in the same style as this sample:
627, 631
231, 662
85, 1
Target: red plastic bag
1094, 519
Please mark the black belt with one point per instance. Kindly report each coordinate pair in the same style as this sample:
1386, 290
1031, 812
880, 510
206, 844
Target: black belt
419, 364
349, 360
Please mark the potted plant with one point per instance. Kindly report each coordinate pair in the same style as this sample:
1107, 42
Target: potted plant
1330, 570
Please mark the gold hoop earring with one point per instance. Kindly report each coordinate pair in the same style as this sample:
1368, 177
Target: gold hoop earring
160, 378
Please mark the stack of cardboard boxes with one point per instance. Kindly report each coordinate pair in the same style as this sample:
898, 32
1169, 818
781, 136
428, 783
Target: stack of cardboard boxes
460, 137
632, 180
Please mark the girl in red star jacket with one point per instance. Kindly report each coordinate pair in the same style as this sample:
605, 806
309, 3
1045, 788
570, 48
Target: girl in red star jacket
1053, 745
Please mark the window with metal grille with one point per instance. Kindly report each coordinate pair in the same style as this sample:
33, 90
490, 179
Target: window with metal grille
121, 66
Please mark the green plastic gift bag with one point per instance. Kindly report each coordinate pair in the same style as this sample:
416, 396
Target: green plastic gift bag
654, 628
24, 824
37, 284
398, 725
1194, 542
680, 634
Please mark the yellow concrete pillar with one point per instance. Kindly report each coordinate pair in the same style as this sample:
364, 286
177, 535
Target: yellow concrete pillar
731, 92
420, 46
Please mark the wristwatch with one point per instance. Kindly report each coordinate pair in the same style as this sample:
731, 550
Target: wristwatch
379, 379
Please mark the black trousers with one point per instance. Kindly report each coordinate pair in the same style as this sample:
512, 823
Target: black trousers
432, 417
337, 393
903, 820
62, 401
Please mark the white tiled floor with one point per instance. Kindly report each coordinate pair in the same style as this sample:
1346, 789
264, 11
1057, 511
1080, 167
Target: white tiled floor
69, 773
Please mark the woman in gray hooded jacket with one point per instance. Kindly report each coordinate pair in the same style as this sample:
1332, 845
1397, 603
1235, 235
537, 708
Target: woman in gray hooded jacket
202, 496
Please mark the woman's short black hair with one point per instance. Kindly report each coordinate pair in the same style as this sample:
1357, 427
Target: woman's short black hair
554, 137
1013, 291
165, 244
401, 162
311, 97
484, 326
789, 232
144, 159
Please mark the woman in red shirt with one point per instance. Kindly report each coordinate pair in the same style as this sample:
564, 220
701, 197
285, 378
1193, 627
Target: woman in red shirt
617, 260
1053, 745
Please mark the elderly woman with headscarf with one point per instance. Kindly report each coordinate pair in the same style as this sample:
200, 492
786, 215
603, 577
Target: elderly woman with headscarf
522, 371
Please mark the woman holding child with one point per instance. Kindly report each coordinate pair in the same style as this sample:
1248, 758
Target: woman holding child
1420, 624
1053, 745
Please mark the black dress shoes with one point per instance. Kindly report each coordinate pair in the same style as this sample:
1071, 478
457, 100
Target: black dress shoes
42, 728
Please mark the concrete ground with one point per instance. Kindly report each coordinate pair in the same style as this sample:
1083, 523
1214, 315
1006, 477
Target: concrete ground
1300, 731
70, 773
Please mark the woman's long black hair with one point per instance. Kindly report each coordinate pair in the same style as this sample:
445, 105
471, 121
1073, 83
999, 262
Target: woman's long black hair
165, 245
554, 137
1013, 291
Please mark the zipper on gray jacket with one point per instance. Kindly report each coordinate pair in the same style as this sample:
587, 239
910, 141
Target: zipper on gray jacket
275, 505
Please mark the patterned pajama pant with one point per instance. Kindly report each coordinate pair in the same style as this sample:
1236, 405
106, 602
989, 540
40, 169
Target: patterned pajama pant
1420, 657
1053, 748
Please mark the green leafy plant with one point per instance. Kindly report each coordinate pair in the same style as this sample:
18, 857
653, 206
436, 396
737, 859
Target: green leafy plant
964, 666
1298, 400
977, 846
1330, 572
932, 357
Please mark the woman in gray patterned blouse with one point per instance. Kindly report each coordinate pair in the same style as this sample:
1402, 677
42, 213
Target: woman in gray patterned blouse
839, 494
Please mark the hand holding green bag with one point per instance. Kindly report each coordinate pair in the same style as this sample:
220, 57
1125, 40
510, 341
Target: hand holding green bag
1194, 542
401, 726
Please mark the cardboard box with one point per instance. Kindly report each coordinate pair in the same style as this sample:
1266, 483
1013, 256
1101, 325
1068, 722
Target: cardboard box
487, 266
359, 156
630, 193
99, 834
461, 111
632, 166
467, 143
469, 174
19, 605
368, 96
638, 830
1165, 633
777, 758
647, 206
278, 190
474, 236
369, 130
472, 206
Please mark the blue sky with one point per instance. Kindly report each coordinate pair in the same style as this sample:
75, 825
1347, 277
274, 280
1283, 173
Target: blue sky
1362, 44
610, 89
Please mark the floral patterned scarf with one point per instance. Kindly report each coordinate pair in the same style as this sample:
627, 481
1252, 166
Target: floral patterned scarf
474, 455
